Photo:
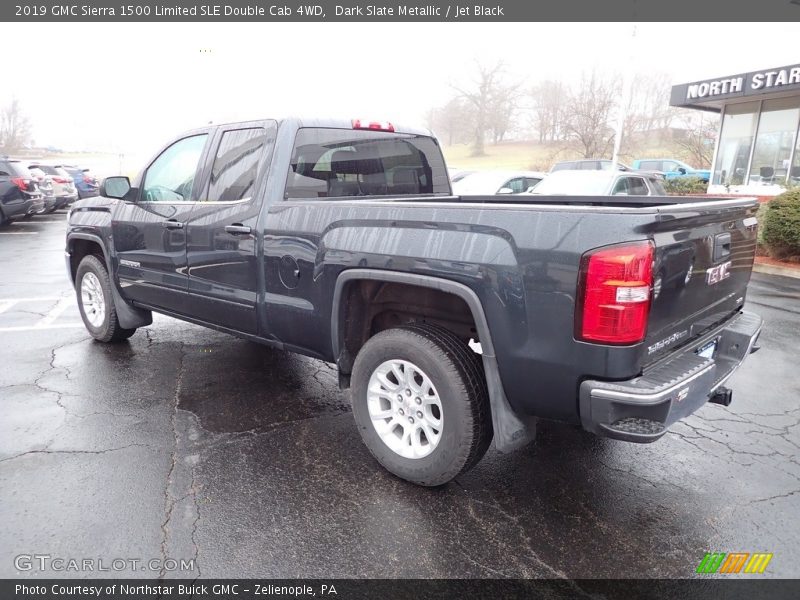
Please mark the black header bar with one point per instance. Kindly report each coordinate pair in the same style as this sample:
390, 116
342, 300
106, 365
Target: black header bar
734, 588
399, 11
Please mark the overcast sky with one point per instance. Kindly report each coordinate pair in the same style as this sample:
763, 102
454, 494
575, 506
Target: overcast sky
129, 87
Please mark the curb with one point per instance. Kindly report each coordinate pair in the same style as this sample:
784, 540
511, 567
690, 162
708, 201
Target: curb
776, 270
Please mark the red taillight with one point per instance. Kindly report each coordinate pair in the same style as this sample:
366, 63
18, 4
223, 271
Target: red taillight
60, 180
21, 183
373, 125
614, 294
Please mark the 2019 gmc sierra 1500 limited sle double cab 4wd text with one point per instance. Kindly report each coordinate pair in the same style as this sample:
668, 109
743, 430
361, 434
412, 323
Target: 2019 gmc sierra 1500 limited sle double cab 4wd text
452, 320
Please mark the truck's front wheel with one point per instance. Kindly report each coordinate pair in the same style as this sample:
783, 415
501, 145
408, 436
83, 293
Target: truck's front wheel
420, 403
96, 303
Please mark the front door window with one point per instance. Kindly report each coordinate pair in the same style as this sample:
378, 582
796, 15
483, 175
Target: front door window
170, 178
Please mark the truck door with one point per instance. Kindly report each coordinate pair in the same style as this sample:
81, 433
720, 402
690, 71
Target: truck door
221, 253
150, 233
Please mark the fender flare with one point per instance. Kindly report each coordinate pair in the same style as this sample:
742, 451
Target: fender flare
129, 316
511, 431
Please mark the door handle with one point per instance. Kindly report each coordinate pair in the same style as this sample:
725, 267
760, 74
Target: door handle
172, 224
237, 229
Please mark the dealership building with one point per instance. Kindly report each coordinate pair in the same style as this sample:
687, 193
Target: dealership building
758, 147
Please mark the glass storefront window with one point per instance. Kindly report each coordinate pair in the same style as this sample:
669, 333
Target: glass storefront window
774, 140
794, 172
735, 141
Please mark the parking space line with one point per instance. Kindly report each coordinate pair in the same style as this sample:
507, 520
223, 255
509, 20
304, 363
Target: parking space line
39, 328
35, 299
56, 311
36, 222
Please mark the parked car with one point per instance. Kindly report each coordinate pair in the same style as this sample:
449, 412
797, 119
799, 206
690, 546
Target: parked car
45, 183
19, 194
588, 164
600, 183
343, 241
63, 185
86, 183
671, 168
484, 183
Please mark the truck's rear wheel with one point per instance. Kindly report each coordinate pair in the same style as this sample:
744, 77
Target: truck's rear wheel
420, 403
96, 303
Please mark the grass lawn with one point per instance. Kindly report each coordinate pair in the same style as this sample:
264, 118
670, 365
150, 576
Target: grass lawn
506, 155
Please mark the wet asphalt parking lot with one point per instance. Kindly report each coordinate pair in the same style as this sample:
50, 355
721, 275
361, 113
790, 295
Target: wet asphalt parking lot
190, 444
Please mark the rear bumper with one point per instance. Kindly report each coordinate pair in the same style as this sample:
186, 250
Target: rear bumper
641, 409
34, 204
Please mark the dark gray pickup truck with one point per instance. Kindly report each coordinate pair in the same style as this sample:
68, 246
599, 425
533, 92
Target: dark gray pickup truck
453, 320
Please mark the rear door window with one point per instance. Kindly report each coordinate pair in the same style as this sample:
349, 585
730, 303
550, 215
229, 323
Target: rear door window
637, 187
336, 163
621, 187
657, 187
531, 181
235, 168
516, 185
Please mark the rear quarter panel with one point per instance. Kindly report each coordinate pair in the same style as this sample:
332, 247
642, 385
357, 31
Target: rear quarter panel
520, 260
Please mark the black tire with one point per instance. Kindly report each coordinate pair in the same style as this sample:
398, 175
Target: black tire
457, 374
3, 220
109, 330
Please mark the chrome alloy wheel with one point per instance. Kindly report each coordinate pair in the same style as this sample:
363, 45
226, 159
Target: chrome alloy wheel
405, 408
93, 300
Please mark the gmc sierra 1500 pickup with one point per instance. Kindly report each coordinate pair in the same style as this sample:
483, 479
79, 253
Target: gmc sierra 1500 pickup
452, 320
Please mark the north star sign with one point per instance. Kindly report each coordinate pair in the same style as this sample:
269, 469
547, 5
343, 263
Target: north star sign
746, 84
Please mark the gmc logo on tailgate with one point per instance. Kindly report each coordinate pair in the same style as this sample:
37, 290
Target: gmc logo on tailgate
718, 273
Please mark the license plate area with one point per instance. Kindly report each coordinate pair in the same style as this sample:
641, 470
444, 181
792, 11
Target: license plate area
708, 349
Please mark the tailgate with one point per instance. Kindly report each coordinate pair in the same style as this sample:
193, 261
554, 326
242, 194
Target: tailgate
704, 256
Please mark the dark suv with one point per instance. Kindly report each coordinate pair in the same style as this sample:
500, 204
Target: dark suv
19, 193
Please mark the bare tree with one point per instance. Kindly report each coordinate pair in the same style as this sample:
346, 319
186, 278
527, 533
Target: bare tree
548, 110
15, 127
698, 140
647, 114
493, 104
589, 110
452, 122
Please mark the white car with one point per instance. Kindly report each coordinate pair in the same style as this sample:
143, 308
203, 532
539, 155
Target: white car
487, 183
600, 183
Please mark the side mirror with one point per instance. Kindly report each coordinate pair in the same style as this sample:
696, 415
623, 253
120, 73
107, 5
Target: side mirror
115, 187
505, 190
681, 170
